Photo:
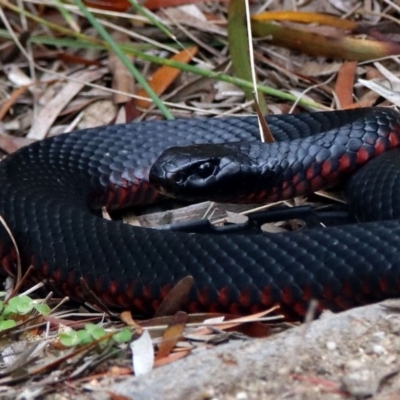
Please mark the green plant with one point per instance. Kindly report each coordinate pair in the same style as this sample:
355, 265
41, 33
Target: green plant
18, 306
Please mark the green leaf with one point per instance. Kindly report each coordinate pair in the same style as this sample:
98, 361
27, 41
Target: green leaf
84, 337
95, 331
11, 307
43, 309
7, 324
69, 339
20, 305
123, 336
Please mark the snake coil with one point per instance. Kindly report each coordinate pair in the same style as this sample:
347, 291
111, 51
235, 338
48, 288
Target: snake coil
50, 190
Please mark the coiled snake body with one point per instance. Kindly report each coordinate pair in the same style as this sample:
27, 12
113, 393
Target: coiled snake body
48, 189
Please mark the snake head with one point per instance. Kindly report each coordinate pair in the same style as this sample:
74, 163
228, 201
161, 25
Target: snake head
205, 172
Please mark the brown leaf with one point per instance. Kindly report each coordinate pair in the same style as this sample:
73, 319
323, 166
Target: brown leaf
6, 106
346, 48
176, 298
172, 334
345, 83
73, 58
307, 17
49, 113
171, 358
114, 396
123, 80
234, 323
126, 318
166, 75
110, 5
9, 143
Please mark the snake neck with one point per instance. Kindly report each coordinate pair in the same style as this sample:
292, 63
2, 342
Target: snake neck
255, 172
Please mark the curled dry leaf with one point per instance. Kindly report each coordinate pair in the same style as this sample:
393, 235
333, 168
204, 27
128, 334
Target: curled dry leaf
307, 17
346, 48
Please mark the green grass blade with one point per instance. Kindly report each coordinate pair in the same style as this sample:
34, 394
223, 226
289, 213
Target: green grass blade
120, 53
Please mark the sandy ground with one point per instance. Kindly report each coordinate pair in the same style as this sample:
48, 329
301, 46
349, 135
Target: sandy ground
354, 354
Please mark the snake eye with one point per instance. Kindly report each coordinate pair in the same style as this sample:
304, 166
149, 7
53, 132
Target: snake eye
206, 169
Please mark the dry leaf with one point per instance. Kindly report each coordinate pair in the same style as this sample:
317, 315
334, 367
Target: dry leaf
142, 354
345, 83
165, 76
382, 88
48, 114
172, 334
176, 298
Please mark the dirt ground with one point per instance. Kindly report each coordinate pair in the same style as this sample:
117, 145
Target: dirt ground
350, 355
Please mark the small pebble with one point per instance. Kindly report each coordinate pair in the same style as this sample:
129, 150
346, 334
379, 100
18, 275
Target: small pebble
378, 349
380, 334
352, 365
361, 384
331, 345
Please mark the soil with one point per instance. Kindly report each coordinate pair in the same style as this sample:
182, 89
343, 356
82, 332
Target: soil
352, 355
